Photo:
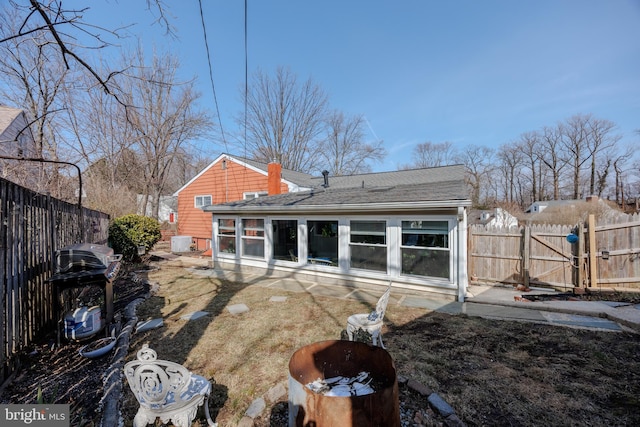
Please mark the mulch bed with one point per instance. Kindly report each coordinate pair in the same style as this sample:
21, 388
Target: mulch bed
626, 297
61, 375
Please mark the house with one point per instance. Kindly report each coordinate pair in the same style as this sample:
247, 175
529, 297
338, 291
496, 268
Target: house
16, 140
227, 179
408, 227
497, 217
166, 210
15, 133
570, 211
541, 205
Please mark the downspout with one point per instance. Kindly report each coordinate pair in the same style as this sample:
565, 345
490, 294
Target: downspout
461, 289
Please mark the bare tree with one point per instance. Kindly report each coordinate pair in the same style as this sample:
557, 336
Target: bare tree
33, 78
575, 139
104, 144
284, 120
344, 149
510, 163
478, 162
431, 154
601, 141
64, 27
553, 156
620, 169
530, 145
42, 56
165, 120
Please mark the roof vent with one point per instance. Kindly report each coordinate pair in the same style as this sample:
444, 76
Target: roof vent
325, 174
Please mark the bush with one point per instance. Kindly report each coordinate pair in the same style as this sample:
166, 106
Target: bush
128, 232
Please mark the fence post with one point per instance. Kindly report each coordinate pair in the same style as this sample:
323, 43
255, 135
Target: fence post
526, 240
580, 283
593, 271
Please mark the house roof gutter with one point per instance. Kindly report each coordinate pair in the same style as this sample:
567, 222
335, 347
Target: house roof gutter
359, 208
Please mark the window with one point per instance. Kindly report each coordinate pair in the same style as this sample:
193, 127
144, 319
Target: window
285, 239
201, 201
323, 242
254, 194
227, 235
425, 248
368, 245
253, 237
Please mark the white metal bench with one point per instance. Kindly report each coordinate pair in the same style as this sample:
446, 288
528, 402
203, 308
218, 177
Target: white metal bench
166, 390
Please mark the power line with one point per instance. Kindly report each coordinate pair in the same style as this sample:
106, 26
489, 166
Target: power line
213, 86
246, 77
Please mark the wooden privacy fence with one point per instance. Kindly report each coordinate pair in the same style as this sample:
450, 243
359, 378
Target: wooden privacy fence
606, 254
33, 226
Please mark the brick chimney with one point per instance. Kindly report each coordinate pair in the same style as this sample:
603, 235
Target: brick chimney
274, 171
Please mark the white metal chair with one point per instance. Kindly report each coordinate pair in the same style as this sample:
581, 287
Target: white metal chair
166, 390
370, 322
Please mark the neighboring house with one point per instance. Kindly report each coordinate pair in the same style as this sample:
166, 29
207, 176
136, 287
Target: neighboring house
226, 179
408, 227
570, 211
497, 217
167, 211
541, 205
16, 140
15, 134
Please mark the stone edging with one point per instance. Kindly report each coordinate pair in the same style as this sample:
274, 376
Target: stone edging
437, 403
113, 378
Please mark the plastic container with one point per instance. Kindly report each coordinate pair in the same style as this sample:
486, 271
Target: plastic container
83, 323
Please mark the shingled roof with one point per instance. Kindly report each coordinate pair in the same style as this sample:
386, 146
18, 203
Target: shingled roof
300, 178
393, 178
441, 187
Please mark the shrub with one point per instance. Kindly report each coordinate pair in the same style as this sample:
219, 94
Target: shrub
128, 232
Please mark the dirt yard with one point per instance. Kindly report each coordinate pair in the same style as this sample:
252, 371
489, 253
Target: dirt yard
491, 372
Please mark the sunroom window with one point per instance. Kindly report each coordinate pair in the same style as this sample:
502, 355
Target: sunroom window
323, 242
227, 235
253, 237
285, 239
425, 248
368, 245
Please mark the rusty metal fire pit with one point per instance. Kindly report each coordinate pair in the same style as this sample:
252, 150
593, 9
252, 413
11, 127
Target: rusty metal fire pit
330, 359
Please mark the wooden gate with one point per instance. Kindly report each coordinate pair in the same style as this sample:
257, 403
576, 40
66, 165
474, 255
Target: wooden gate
548, 258
605, 255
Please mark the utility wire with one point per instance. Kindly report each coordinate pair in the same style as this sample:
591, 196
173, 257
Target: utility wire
213, 86
246, 77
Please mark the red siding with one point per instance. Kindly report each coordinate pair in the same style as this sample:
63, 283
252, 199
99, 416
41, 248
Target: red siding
223, 185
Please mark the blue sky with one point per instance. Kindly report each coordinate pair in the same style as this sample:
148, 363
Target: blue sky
469, 72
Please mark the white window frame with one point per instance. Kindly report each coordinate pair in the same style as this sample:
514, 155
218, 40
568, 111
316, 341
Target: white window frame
220, 234
451, 248
379, 245
244, 238
202, 197
298, 221
254, 194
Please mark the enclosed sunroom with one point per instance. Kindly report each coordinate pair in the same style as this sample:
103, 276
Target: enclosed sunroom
410, 233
